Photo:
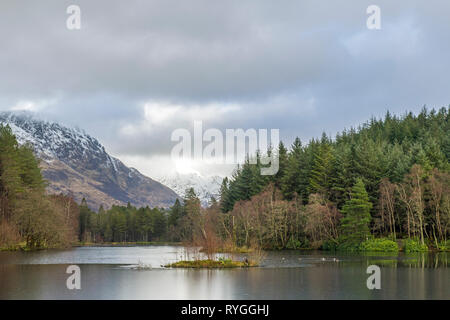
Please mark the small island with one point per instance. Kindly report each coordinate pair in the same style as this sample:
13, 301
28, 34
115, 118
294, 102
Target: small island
210, 263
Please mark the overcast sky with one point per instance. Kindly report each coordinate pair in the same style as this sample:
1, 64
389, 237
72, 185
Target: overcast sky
137, 70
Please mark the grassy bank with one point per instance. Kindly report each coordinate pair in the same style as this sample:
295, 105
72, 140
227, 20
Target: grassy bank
22, 246
386, 245
243, 249
14, 247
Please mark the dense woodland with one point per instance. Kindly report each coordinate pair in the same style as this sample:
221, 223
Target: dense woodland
387, 179
370, 188
122, 224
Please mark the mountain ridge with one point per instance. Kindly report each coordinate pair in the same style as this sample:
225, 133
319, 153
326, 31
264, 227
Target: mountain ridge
205, 187
76, 163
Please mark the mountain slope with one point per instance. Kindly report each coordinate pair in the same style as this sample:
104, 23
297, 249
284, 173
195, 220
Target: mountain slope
76, 163
204, 187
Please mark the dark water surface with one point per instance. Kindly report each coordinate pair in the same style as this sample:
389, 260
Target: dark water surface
114, 273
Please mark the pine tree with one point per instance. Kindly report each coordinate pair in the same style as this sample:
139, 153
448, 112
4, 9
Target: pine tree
30, 172
355, 224
192, 203
159, 224
234, 189
258, 181
176, 213
245, 182
85, 212
294, 179
343, 177
322, 168
224, 195
10, 182
283, 162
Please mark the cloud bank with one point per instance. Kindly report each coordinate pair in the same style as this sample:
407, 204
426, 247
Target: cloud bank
137, 70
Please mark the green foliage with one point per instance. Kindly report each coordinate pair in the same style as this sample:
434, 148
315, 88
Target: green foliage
354, 245
27, 214
322, 167
293, 243
379, 245
224, 260
224, 196
296, 179
414, 245
329, 245
348, 245
355, 224
444, 245
282, 165
19, 171
122, 224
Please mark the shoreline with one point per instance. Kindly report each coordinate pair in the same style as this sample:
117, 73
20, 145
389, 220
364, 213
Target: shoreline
237, 250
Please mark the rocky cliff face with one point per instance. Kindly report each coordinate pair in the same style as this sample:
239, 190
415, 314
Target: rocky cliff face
75, 163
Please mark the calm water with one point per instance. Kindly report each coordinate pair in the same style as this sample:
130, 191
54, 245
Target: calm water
111, 273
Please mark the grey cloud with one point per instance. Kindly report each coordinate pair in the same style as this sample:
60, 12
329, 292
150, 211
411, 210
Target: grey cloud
301, 66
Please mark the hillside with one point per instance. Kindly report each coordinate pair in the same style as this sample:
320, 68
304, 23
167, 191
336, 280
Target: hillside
75, 163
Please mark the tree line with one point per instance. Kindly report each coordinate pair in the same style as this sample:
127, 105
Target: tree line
122, 224
389, 178
368, 187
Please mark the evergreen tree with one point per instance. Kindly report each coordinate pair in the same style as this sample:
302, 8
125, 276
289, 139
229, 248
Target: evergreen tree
244, 182
355, 224
282, 165
85, 212
322, 168
159, 224
344, 176
176, 212
224, 196
295, 181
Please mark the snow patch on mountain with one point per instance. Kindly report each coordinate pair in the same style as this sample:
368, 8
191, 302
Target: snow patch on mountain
52, 140
204, 186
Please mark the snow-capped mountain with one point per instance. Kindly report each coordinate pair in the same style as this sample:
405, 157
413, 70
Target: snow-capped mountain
204, 187
75, 163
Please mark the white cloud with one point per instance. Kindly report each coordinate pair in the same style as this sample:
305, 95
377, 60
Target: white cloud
24, 106
161, 116
32, 105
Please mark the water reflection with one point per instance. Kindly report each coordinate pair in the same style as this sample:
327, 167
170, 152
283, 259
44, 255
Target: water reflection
284, 275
